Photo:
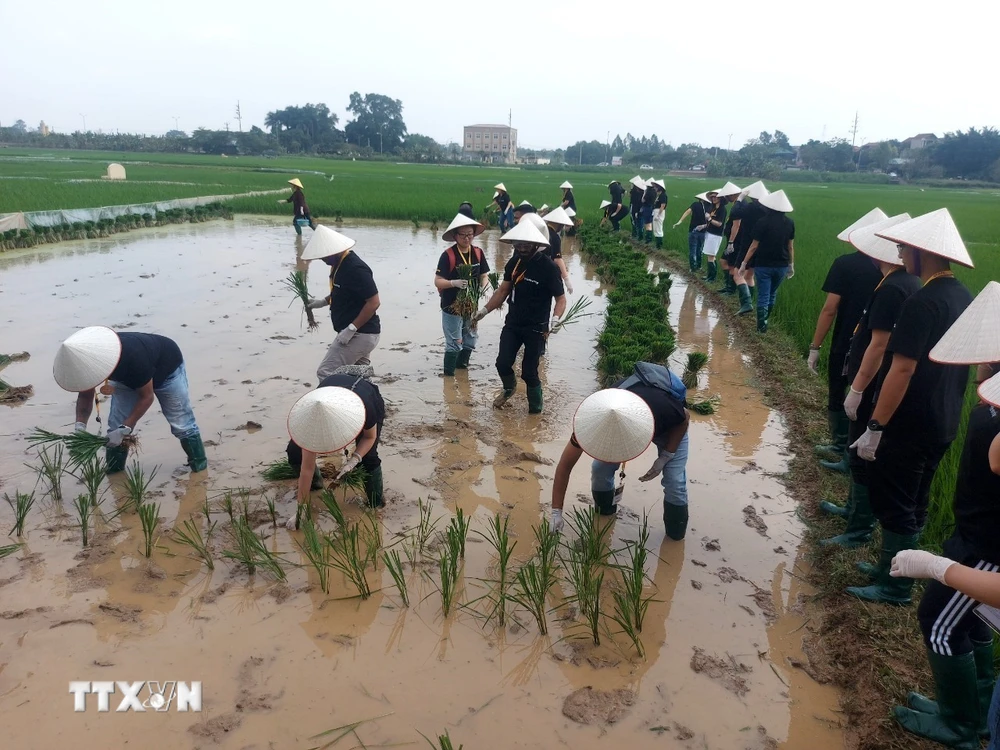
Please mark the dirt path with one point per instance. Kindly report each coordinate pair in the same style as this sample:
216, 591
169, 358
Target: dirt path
281, 662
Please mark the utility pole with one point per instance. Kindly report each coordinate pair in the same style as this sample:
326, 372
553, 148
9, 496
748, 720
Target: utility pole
239, 115
380, 141
854, 137
607, 145
730, 146
176, 126
84, 122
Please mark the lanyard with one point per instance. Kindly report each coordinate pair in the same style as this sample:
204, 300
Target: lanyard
466, 261
333, 276
939, 275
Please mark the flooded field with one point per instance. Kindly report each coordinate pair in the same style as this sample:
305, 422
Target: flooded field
281, 662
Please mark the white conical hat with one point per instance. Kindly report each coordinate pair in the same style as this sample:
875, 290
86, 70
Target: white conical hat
524, 204
661, 183
703, 197
872, 217
866, 240
327, 419
570, 212
613, 182
566, 185
544, 208
605, 204
87, 358
989, 391
777, 201
613, 425
496, 193
638, 182
295, 181
326, 242
461, 220
756, 190
558, 216
500, 186
729, 189
526, 231
934, 233
975, 337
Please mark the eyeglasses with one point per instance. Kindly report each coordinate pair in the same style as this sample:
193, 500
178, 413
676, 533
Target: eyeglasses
466, 235
524, 246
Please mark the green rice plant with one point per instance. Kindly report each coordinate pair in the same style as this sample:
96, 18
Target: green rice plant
458, 527
137, 485
394, 565
592, 613
14, 394
82, 446
498, 537
371, 538
297, 285
630, 604
329, 501
536, 577
695, 362
278, 471
448, 571
584, 562
317, 551
353, 482
228, 507
51, 470
347, 557
443, 743
91, 473
206, 508
149, 519
21, 504
9, 549
243, 506
6, 359
425, 526
707, 407
416, 222
189, 534
252, 552
573, 315
494, 279
272, 510
467, 301
84, 510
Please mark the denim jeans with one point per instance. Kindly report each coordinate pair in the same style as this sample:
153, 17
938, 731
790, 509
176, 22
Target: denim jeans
505, 220
174, 398
696, 243
457, 334
994, 719
673, 481
769, 278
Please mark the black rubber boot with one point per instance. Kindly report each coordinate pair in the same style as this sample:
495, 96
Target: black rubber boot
195, 451
886, 589
728, 284
463, 359
710, 270
982, 653
745, 306
509, 385
317, 480
659, 243
675, 519
761, 320
535, 400
450, 362
116, 458
841, 511
839, 426
605, 501
956, 724
373, 488
860, 523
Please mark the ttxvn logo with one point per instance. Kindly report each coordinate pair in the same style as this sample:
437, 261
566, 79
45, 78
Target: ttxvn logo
138, 696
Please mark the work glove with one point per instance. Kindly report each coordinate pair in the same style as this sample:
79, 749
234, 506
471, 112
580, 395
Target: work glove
349, 465
867, 444
701, 227
345, 336
557, 523
918, 563
459, 283
791, 271
282, 201
292, 523
656, 469
851, 403
80, 427
483, 312
813, 359
116, 436
729, 249
316, 304
568, 284
554, 324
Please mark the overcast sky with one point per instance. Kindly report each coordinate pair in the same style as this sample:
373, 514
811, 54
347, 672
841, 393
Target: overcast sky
687, 72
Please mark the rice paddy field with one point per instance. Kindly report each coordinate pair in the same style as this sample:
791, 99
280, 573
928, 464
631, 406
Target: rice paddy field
32, 180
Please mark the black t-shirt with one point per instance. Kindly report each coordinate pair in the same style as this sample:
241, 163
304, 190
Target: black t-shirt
668, 412
351, 284
736, 212
447, 268
772, 233
145, 357
502, 200
649, 196
977, 492
534, 284
661, 199
554, 249
697, 215
635, 198
854, 277
881, 314
568, 196
617, 193
369, 393
931, 409
750, 213
716, 213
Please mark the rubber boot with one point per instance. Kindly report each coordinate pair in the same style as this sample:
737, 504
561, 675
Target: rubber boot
886, 589
450, 362
604, 500
982, 653
710, 270
463, 359
116, 458
745, 306
195, 451
373, 488
675, 519
317, 480
841, 511
509, 384
649, 236
860, 523
839, 426
728, 284
841, 467
956, 724
761, 320
535, 399
659, 243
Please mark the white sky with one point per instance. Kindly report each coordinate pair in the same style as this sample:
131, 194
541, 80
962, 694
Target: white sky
906, 67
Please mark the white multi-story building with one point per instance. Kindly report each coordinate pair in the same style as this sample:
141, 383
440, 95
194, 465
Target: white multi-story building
490, 143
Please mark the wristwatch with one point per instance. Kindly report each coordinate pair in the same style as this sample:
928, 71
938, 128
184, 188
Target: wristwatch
875, 426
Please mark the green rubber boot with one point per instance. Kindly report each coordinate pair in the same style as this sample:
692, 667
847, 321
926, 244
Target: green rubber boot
956, 724
509, 385
605, 501
450, 362
373, 488
982, 653
659, 243
195, 451
839, 426
761, 320
728, 284
710, 270
860, 523
463, 359
841, 511
535, 400
675, 519
317, 480
649, 236
886, 589
745, 307
116, 458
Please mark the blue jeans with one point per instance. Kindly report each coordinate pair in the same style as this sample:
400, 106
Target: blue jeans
994, 720
769, 278
696, 241
506, 219
673, 481
457, 334
174, 398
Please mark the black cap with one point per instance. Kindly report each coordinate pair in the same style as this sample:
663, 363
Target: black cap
466, 210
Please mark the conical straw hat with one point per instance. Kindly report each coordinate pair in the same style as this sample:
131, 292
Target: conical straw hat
327, 419
614, 182
975, 337
566, 185
461, 220
613, 425
545, 207
87, 358
661, 183
496, 193
326, 242
500, 186
570, 212
872, 217
295, 182
865, 240
558, 216
638, 182
729, 189
703, 197
777, 201
537, 222
756, 190
525, 205
605, 204
989, 391
934, 233
526, 231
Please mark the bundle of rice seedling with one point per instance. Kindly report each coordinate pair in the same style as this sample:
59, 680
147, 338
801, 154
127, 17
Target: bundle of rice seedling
82, 446
494, 278
706, 407
696, 361
575, 312
277, 471
296, 283
466, 304
14, 394
6, 359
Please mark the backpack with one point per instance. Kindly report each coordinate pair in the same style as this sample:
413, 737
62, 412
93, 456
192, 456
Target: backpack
656, 376
476, 255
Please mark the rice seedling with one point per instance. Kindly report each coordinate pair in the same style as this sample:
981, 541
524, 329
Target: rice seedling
695, 362
448, 570
343, 731
84, 509
459, 528
272, 509
228, 507
443, 743
206, 508
353, 482
317, 551
630, 604
137, 485
297, 285
189, 534
536, 578
371, 537
6, 359
394, 565
707, 407
149, 519
8, 549
14, 394
467, 302
278, 471
498, 537
584, 564
82, 446
21, 504
494, 279
252, 552
329, 501
91, 473
573, 315
347, 557
51, 470
244, 505
425, 527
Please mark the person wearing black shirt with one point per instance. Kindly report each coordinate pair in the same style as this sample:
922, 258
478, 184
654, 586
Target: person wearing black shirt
715, 218
635, 204
728, 194
918, 402
568, 201
696, 235
648, 199
465, 208
741, 238
135, 368
451, 280
301, 209
555, 221
771, 253
659, 212
531, 282
353, 301
849, 285
505, 215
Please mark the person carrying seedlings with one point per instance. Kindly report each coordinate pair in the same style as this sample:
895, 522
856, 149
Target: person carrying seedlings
345, 408
555, 221
614, 426
460, 266
959, 644
918, 402
298, 201
861, 365
637, 190
568, 201
741, 237
505, 211
659, 211
135, 368
531, 281
696, 234
715, 219
353, 301
849, 285
771, 253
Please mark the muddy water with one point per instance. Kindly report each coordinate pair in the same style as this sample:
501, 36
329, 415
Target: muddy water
282, 662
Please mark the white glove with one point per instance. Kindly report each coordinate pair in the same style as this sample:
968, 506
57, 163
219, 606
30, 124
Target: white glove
116, 436
867, 444
557, 523
349, 465
791, 271
553, 324
918, 563
851, 403
729, 248
80, 427
568, 285
813, 359
316, 304
282, 201
677, 225
345, 336
290, 523
656, 469
700, 227
480, 315
459, 283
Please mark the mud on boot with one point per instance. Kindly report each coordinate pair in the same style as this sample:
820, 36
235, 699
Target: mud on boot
675, 519
116, 458
195, 451
509, 385
535, 399
450, 362
463, 359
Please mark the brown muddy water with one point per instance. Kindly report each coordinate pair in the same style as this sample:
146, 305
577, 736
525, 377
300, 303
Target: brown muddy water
281, 662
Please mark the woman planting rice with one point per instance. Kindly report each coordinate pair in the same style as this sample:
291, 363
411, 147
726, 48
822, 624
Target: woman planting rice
298, 201
502, 203
568, 201
460, 279
638, 188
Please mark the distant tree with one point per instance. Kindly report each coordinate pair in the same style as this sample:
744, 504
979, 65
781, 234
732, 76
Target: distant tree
781, 140
592, 152
175, 134
308, 128
419, 147
213, 141
20, 127
970, 155
378, 122
618, 146
880, 156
